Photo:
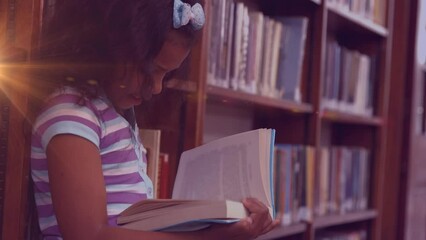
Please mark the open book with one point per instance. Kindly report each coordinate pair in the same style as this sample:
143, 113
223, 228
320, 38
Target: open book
210, 183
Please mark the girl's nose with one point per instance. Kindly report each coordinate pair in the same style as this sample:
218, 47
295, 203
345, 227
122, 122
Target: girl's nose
157, 85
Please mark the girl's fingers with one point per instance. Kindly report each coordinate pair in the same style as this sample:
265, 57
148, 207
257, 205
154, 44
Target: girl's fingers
259, 214
254, 205
271, 226
259, 221
256, 208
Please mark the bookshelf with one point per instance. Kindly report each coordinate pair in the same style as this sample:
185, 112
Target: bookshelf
188, 102
307, 120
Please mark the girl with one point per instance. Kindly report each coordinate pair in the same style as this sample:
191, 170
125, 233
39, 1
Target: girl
87, 163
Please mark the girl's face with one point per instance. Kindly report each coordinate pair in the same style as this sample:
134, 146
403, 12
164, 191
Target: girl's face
127, 93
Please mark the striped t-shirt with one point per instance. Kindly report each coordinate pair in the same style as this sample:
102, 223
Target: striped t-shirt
122, 154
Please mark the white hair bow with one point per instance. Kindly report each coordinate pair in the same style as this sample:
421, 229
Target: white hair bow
183, 14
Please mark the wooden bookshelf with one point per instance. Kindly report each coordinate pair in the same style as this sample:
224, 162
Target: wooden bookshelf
182, 113
315, 124
334, 220
353, 32
285, 231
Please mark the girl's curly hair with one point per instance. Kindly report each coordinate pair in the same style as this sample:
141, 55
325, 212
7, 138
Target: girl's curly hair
82, 40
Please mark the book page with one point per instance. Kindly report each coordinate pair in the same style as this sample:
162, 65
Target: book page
228, 168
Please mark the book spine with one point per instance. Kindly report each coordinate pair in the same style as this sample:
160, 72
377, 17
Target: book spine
288, 185
164, 186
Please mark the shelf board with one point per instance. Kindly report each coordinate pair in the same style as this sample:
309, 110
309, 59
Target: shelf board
339, 116
284, 231
358, 20
181, 85
231, 96
333, 220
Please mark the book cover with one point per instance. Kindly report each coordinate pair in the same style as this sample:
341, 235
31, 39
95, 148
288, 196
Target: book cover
224, 171
180, 215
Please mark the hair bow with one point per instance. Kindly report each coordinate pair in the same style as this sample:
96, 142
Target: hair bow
183, 14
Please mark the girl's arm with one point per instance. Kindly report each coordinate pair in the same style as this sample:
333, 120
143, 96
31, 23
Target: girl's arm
79, 199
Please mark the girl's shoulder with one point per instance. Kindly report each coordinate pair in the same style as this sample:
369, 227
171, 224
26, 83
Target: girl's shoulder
71, 97
67, 111
68, 103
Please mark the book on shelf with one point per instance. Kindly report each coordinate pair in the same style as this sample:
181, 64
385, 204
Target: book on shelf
158, 167
349, 80
237, 46
164, 190
210, 184
151, 141
342, 179
255, 49
373, 10
254, 53
292, 52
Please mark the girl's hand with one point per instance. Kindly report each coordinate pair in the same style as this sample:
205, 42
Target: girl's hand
257, 223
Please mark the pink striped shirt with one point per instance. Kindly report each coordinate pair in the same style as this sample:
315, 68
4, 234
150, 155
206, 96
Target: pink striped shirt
122, 154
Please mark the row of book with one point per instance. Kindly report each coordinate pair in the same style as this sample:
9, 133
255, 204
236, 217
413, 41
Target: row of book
294, 171
374, 10
342, 235
341, 181
349, 80
305, 187
255, 53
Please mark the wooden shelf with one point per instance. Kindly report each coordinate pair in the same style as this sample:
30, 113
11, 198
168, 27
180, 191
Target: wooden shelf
181, 85
237, 97
333, 220
359, 23
342, 117
284, 231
